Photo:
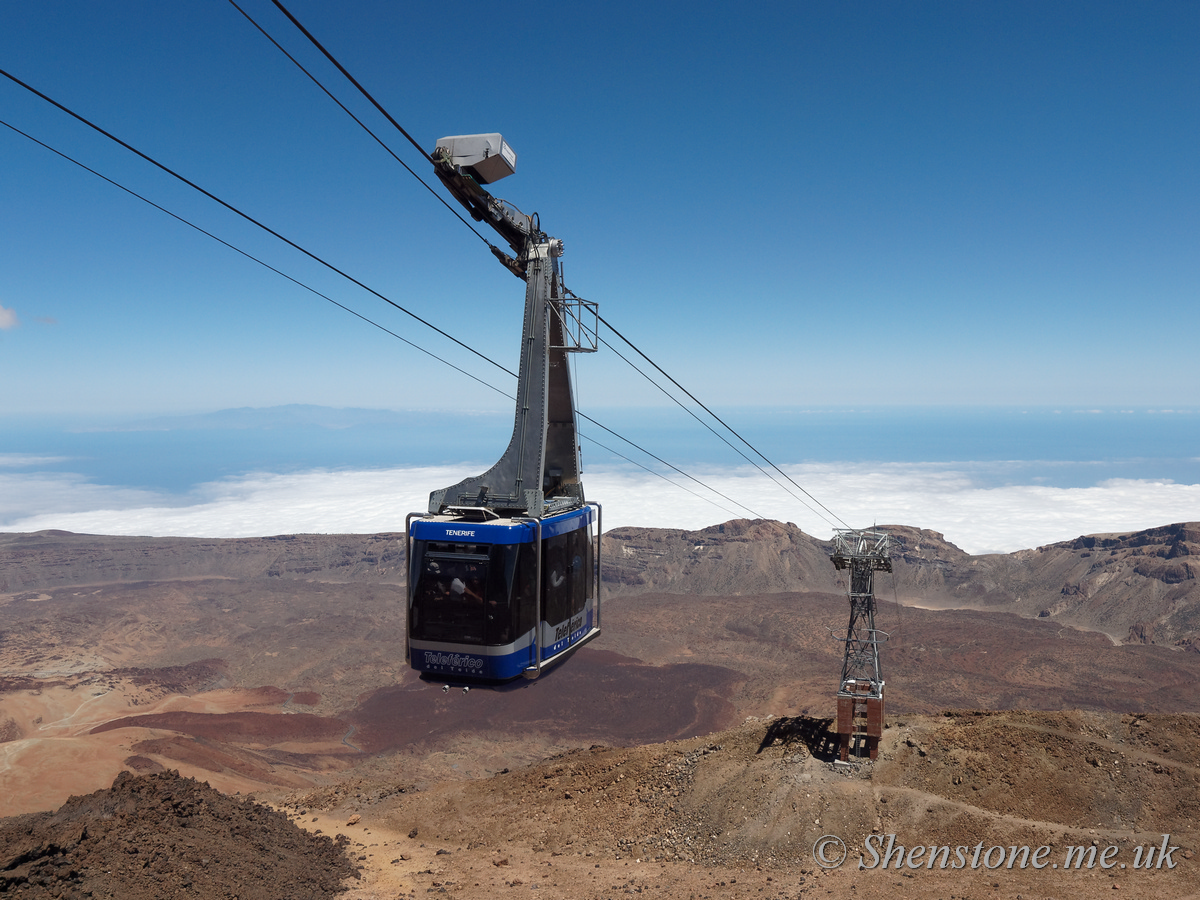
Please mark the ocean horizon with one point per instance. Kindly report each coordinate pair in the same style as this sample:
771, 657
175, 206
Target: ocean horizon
989, 479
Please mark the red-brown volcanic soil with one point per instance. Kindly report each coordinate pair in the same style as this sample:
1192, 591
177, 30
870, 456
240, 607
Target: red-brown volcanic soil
339, 699
729, 816
160, 835
249, 727
683, 754
601, 695
734, 815
597, 696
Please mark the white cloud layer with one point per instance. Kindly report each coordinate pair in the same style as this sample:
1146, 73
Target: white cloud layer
8, 318
938, 497
27, 460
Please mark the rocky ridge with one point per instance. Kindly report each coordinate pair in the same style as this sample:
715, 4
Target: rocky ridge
160, 835
1140, 587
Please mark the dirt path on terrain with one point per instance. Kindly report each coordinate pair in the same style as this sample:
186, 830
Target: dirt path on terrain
731, 816
1108, 744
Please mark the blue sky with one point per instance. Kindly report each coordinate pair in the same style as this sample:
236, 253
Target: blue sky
888, 203
793, 207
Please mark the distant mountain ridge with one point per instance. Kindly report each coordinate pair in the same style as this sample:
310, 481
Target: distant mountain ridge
49, 559
1138, 587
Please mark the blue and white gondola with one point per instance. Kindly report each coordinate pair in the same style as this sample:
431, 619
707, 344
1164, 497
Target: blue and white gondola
494, 599
503, 576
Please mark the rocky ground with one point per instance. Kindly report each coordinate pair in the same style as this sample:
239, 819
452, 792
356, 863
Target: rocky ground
733, 815
736, 815
683, 754
310, 685
159, 835
1142, 586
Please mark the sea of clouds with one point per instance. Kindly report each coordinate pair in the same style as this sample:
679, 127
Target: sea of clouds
954, 499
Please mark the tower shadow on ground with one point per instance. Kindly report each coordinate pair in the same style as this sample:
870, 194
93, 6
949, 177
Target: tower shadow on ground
812, 732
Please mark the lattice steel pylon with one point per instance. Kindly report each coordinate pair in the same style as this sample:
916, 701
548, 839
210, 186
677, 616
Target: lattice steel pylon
860, 692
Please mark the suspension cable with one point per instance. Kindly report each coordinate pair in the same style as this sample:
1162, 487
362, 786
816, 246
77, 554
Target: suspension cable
715, 433
360, 122
682, 487
722, 421
329, 56
354, 81
333, 60
669, 466
253, 258
249, 218
415, 346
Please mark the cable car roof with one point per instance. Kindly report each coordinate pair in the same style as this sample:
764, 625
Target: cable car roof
519, 530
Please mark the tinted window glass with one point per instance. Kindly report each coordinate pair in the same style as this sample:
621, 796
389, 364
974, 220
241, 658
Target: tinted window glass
524, 590
449, 599
472, 593
566, 574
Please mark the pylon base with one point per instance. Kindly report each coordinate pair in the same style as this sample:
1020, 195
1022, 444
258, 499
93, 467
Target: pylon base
859, 721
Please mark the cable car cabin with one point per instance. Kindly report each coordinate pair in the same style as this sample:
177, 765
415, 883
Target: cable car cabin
492, 598
503, 579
